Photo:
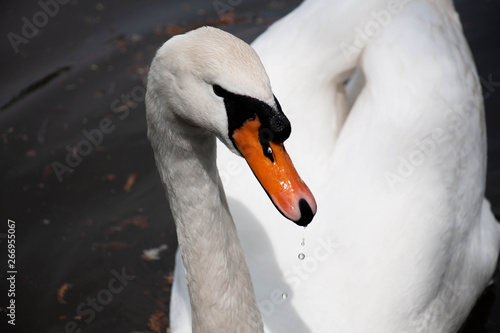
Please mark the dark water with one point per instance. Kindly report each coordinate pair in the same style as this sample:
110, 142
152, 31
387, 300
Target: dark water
81, 229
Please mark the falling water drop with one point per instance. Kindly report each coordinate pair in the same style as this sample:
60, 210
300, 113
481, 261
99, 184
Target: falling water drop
303, 242
284, 295
301, 256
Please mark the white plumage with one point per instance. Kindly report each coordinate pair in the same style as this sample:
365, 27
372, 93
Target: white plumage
404, 240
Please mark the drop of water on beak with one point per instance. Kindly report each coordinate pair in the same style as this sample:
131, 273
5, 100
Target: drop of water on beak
284, 295
301, 256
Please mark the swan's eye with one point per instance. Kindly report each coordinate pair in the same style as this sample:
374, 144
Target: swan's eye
268, 152
265, 135
219, 91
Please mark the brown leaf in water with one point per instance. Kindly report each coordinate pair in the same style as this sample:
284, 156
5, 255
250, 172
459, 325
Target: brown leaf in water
158, 322
137, 221
130, 182
31, 153
61, 292
109, 177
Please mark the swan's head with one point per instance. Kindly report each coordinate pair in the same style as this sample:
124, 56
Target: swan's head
212, 81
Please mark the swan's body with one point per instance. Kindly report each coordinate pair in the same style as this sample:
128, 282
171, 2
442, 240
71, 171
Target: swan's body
404, 240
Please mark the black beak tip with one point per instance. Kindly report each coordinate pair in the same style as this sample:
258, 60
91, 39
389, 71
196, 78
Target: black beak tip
306, 214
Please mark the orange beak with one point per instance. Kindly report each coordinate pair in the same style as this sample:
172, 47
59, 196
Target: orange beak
277, 175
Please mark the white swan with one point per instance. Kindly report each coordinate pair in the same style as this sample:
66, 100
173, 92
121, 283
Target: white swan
196, 93
403, 240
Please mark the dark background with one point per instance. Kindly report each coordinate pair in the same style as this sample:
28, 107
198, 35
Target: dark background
87, 63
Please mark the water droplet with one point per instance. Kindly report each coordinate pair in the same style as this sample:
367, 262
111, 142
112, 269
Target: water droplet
284, 295
302, 256
303, 242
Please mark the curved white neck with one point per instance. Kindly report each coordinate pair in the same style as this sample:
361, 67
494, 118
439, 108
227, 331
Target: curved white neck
220, 287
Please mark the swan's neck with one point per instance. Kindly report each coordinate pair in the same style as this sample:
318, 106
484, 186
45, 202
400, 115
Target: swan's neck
220, 287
